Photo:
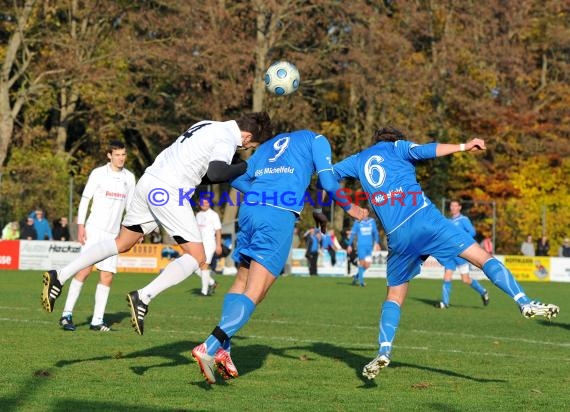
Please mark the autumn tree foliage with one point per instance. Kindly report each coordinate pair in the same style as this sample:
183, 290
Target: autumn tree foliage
76, 73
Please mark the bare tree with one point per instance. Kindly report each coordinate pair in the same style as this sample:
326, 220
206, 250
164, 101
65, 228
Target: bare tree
15, 87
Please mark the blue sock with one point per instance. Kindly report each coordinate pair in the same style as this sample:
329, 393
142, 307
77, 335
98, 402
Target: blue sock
228, 299
504, 280
389, 320
361, 274
446, 292
477, 286
236, 311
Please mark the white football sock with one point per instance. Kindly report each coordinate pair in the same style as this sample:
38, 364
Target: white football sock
88, 257
174, 273
101, 297
205, 275
72, 296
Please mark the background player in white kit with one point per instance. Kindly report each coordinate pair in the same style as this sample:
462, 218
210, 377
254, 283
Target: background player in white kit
162, 196
211, 229
111, 188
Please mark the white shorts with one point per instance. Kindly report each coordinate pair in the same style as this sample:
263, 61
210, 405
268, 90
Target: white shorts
210, 249
155, 203
96, 235
463, 269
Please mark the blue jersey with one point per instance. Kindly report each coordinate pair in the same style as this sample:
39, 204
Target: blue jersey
367, 233
326, 241
279, 172
387, 174
463, 223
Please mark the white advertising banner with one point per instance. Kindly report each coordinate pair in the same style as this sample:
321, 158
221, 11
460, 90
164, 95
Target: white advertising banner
47, 254
559, 269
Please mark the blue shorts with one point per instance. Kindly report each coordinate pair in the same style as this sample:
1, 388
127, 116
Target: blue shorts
426, 233
265, 235
454, 263
364, 251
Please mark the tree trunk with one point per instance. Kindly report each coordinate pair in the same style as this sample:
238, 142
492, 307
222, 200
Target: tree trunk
8, 78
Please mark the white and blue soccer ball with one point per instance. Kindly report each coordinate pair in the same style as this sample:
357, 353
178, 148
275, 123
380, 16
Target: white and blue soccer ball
282, 78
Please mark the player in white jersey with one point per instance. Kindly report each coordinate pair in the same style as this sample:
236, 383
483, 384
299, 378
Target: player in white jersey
162, 197
211, 230
110, 188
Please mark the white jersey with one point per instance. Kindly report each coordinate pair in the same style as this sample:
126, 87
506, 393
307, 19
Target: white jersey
208, 222
111, 192
183, 164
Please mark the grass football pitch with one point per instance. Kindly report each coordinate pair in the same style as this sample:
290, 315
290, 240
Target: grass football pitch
303, 350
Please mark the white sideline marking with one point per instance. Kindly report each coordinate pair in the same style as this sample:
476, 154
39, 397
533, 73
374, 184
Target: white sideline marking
330, 325
365, 346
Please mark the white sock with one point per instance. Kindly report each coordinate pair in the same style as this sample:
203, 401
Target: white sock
72, 296
88, 257
174, 273
101, 297
205, 275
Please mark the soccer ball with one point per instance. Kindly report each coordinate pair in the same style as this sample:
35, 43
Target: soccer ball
282, 78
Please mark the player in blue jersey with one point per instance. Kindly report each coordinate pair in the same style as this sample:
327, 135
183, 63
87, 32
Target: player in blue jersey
415, 229
274, 187
457, 263
366, 232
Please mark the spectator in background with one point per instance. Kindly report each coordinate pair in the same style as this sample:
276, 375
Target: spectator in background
329, 243
352, 255
61, 230
311, 237
43, 229
542, 246
564, 250
527, 247
28, 230
11, 231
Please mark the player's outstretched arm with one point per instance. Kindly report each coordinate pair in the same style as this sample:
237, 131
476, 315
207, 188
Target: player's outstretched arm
445, 149
357, 212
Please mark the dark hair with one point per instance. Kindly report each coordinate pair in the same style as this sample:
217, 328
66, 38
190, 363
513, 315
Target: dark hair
388, 134
258, 124
114, 145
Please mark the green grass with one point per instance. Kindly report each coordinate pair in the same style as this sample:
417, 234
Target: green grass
303, 350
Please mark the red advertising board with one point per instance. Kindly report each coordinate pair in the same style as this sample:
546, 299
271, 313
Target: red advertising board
9, 254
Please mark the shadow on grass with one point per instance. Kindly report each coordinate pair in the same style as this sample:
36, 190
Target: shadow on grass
171, 352
116, 318
19, 400
435, 304
553, 323
357, 362
9, 404
110, 319
444, 372
339, 354
198, 292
